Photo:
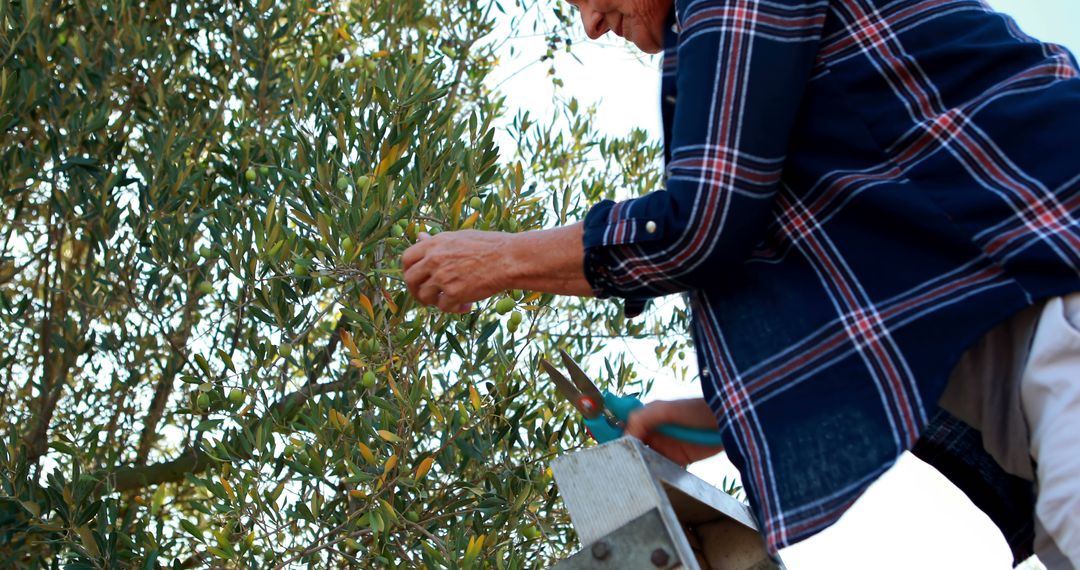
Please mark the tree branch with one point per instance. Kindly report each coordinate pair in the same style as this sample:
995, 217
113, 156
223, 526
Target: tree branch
196, 461
165, 383
321, 361
54, 369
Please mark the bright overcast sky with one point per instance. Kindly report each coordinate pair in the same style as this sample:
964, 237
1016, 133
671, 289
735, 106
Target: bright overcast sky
910, 519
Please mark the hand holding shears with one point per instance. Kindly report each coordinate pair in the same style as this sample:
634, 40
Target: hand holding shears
605, 414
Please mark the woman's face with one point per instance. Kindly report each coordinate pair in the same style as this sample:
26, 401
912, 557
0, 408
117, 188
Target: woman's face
640, 22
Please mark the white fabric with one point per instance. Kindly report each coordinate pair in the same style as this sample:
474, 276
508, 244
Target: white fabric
1050, 396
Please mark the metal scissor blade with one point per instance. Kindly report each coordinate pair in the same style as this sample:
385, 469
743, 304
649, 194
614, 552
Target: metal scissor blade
581, 380
568, 390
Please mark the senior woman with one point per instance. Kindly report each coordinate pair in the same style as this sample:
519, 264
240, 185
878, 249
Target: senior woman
858, 194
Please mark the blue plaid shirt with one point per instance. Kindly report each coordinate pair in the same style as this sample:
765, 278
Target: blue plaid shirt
856, 191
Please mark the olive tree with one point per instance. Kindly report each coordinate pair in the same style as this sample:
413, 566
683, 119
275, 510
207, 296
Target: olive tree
209, 356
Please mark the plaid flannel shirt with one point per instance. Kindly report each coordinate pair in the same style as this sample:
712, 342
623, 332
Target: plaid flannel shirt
856, 191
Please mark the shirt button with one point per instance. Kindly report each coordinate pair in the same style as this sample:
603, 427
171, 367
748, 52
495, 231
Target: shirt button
705, 373
650, 227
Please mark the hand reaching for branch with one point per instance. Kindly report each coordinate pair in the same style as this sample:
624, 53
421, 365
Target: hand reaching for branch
452, 270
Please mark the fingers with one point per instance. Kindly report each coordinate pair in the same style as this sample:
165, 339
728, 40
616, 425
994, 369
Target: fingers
416, 252
643, 421
428, 293
434, 265
416, 276
450, 305
419, 281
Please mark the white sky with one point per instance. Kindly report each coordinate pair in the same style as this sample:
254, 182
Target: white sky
912, 517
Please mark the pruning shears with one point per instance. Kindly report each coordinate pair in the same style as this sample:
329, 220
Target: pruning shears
605, 414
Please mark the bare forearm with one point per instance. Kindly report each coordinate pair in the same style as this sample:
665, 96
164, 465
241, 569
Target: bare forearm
551, 261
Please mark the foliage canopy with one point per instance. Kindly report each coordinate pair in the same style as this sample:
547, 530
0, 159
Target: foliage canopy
210, 358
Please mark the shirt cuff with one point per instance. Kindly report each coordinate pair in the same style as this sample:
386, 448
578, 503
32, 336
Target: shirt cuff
599, 256
609, 223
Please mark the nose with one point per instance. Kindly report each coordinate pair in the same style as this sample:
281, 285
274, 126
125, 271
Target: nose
593, 22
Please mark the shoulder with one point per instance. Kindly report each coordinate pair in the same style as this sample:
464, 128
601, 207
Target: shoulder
779, 20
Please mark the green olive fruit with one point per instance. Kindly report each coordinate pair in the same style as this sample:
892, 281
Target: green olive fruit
517, 294
264, 170
285, 350
504, 305
61, 38
512, 225
300, 269
236, 397
515, 318
476, 203
531, 532
363, 182
251, 175
324, 61
412, 516
368, 381
206, 287
397, 231
206, 252
327, 281
347, 246
342, 183
203, 401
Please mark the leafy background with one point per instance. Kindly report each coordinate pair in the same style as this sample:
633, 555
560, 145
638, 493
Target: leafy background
210, 357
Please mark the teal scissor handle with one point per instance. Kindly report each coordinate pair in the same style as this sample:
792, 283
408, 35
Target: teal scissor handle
622, 406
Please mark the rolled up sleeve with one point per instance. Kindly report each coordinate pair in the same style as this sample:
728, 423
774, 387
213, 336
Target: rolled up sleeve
742, 69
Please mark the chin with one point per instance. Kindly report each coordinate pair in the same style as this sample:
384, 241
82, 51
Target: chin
648, 46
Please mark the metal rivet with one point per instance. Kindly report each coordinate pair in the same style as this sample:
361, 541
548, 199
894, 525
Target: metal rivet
650, 227
600, 550
660, 558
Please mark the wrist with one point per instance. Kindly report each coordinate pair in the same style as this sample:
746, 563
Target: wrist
548, 261
513, 262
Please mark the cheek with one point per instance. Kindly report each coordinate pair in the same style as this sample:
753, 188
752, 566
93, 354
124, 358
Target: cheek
659, 27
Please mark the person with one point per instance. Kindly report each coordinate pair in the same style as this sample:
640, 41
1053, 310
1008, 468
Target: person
864, 200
